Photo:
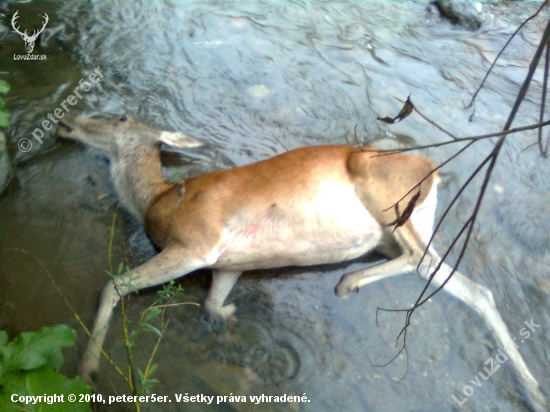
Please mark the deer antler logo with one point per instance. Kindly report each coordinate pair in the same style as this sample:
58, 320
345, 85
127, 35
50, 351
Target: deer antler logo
29, 40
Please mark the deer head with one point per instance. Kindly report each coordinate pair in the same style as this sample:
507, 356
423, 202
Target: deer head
29, 40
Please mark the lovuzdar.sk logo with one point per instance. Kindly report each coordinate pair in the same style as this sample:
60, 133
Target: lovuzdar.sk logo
28, 39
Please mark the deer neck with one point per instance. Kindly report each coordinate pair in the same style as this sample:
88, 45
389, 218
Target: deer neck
138, 179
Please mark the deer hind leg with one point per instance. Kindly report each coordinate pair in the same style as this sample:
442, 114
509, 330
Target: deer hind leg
480, 299
167, 265
222, 283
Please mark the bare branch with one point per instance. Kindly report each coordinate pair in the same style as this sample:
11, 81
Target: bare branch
470, 222
493, 159
544, 150
382, 152
502, 50
431, 173
433, 123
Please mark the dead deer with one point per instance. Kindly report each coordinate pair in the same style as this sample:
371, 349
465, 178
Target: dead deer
308, 206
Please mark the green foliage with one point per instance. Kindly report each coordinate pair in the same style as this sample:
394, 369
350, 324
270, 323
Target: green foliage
4, 114
32, 350
147, 383
152, 320
124, 278
29, 366
170, 291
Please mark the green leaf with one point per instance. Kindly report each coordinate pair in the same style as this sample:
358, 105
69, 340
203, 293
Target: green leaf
149, 383
150, 328
153, 313
152, 369
146, 382
47, 382
33, 350
141, 375
4, 87
179, 292
133, 337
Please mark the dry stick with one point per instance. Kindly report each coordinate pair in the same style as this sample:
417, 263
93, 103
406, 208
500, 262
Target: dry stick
382, 152
435, 169
544, 151
403, 348
177, 304
502, 50
417, 303
493, 156
470, 223
449, 249
495, 153
447, 211
471, 140
430, 121
435, 124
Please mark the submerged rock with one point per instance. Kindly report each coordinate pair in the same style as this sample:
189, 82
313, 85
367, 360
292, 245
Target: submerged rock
467, 15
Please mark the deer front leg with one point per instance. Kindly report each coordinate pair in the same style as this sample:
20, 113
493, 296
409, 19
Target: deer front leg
167, 265
222, 283
352, 282
403, 258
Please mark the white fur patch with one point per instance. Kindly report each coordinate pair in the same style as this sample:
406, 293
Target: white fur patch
178, 139
423, 217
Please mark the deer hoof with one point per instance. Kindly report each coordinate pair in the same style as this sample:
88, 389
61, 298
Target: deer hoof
220, 313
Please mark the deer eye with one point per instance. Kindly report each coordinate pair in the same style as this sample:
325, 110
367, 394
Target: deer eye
122, 118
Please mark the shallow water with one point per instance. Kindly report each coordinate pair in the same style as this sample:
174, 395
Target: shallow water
252, 80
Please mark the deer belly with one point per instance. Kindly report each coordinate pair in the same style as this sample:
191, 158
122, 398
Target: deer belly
335, 232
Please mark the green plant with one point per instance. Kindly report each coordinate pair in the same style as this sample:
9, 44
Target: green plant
153, 320
29, 366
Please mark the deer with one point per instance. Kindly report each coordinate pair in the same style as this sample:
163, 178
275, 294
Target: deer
308, 206
29, 40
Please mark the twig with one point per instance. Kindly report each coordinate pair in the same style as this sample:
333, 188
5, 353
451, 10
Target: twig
435, 169
502, 50
470, 223
382, 152
493, 159
544, 150
433, 123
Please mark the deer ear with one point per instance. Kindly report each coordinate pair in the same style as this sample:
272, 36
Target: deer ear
178, 139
